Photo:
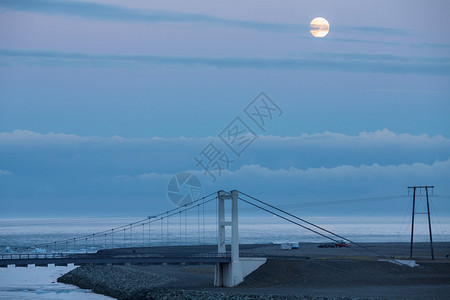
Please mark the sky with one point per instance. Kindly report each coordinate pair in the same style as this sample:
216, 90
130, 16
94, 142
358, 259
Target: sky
103, 102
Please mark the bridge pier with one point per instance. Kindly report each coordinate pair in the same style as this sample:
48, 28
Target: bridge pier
228, 274
41, 265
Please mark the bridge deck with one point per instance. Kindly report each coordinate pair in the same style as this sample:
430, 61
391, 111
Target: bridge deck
23, 260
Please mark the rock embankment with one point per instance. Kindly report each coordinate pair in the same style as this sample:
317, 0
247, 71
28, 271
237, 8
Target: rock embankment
119, 282
171, 294
127, 283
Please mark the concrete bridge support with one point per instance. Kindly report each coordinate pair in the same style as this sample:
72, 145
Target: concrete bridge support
233, 273
228, 274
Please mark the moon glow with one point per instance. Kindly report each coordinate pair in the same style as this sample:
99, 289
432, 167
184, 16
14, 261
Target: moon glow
319, 27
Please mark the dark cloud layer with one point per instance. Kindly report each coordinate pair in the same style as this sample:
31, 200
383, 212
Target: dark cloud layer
106, 12
338, 62
59, 172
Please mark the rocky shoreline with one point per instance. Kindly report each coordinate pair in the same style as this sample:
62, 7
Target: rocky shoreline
170, 294
122, 282
119, 282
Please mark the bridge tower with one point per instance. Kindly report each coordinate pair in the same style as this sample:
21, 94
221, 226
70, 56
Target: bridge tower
228, 274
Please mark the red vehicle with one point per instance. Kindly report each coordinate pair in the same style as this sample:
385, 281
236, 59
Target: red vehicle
342, 244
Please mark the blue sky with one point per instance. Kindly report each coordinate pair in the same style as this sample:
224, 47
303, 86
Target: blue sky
102, 102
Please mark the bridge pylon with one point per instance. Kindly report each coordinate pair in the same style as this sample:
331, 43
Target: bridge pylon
228, 274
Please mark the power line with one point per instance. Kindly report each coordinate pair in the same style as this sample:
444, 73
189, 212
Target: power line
339, 202
440, 196
439, 222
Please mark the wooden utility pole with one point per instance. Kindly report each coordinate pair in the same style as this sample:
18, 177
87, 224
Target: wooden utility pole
415, 188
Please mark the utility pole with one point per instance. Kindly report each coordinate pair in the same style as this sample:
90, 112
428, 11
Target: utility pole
415, 188
412, 223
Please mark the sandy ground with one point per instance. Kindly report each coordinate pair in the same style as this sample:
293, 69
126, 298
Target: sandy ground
330, 272
332, 278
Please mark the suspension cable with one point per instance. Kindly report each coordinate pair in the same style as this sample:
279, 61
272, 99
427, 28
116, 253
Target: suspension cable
280, 216
133, 224
307, 228
314, 225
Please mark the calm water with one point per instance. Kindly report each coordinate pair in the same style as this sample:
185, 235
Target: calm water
40, 283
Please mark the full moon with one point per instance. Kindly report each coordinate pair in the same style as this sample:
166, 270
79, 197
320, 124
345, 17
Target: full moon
319, 27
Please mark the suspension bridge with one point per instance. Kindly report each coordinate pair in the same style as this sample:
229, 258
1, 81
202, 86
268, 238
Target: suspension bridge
163, 239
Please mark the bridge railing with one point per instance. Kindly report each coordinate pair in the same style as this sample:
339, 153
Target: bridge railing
32, 255
25, 256
43, 256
